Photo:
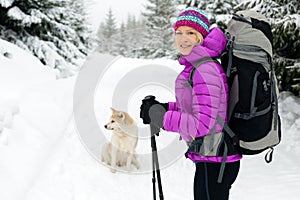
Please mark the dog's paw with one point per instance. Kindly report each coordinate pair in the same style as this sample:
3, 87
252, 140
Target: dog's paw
129, 168
137, 166
113, 170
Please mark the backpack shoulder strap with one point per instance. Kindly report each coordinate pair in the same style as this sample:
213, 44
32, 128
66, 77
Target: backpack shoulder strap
200, 62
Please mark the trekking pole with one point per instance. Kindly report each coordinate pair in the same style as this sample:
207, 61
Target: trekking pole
155, 164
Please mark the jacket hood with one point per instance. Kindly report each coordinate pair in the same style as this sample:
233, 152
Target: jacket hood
213, 45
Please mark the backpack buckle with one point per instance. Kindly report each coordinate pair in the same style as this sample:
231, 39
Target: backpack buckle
230, 42
228, 36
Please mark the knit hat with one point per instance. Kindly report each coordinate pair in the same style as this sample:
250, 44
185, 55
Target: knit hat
195, 18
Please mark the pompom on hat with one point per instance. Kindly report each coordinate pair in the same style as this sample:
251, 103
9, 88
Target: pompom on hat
194, 18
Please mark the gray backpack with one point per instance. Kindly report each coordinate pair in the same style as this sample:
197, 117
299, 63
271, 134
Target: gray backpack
253, 119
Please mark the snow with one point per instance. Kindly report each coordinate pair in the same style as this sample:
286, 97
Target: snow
289, 20
17, 72
17, 14
6, 3
44, 156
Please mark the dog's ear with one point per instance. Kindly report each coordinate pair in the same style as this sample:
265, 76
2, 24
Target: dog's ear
121, 115
112, 109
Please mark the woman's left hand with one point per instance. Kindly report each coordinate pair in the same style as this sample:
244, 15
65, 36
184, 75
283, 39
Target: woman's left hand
156, 114
144, 109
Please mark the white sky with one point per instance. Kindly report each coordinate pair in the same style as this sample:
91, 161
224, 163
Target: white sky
99, 8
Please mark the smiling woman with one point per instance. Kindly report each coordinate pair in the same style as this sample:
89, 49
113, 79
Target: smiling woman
186, 38
201, 93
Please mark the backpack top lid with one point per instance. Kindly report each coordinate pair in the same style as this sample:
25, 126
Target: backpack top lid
250, 28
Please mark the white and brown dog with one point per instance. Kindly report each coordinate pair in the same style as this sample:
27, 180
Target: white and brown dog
121, 150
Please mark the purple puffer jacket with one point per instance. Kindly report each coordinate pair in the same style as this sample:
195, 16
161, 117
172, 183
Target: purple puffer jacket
195, 111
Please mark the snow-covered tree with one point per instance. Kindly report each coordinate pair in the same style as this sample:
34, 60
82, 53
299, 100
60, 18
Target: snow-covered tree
121, 41
191, 3
79, 24
108, 33
134, 35
53, 30
219, 11
284, 16
100, 37
126, 40
131, 33
159, 33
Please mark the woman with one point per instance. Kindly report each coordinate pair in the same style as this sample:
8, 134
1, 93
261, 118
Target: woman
201, 99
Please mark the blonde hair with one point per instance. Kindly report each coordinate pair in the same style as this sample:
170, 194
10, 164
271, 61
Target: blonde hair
199, 37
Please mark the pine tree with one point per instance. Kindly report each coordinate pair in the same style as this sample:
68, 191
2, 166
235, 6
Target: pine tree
192, 3
79, 24
219, 11
121, 44
133, 36
159, 34
45, 28
108, 34
100, 38
284, 17
126, 41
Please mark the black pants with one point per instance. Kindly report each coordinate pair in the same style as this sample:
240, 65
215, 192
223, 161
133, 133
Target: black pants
206, 186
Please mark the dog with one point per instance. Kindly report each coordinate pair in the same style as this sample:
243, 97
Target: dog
121, 150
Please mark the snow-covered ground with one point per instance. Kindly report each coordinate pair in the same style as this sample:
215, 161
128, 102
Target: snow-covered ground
44, 155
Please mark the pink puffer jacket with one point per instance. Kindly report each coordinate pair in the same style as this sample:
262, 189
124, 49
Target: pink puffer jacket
195, 111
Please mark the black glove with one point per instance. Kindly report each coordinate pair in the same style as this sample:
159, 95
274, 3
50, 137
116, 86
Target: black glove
148, 102
157, 113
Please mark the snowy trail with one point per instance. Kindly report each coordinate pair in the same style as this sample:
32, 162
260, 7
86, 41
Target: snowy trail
73, 174
43, 158
59, 167
66, 177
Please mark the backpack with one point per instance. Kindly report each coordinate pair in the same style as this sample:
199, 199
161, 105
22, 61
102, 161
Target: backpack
253, 119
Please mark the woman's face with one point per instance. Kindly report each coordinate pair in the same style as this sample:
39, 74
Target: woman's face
186, 38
